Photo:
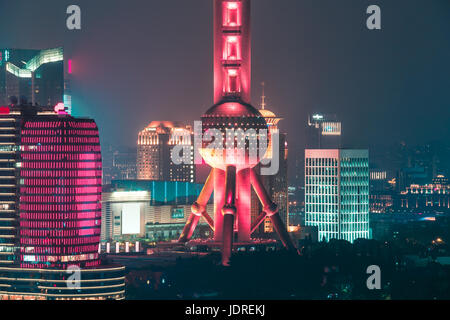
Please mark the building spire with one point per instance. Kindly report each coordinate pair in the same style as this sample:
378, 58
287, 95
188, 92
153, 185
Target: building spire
263, 97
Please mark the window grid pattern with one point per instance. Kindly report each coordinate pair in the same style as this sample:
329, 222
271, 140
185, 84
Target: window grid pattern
337, 197
60, 193
354, 198
322, 198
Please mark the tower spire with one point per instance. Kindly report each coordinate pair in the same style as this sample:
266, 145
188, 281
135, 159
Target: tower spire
263, 97
232, 50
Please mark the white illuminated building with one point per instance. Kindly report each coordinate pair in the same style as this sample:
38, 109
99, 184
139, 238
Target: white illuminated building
124, 213
337, 193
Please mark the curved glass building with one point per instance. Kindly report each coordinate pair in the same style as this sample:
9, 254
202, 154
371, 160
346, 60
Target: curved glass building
60, 193
57, 224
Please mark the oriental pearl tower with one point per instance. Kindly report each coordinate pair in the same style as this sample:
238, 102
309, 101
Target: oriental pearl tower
232, 177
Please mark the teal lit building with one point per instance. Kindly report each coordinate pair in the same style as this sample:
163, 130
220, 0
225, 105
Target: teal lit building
337, 193
40, 76
148, 209
162, 192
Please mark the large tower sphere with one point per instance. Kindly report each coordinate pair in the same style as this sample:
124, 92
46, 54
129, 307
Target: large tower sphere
240, 126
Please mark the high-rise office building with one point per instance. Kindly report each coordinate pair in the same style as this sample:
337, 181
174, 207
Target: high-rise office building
60, 192
277, 184
39, 76
119, 163
155, 144
324, 131
11, 120
430, 198
381, 191
337, 193
54, 213
9, 148
124, 163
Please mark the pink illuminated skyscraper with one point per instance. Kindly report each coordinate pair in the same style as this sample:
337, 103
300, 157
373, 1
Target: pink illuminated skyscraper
54, 208
60, 192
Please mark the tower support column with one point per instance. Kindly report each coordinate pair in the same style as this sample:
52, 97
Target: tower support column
243, 204
228, 212
219, 201
198, 209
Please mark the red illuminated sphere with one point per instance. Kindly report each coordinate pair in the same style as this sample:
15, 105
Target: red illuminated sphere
232, 115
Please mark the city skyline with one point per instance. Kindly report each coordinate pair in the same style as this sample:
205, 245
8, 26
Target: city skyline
319, 169
302, 74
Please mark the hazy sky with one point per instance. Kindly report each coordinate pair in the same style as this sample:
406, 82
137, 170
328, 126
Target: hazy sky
138, 61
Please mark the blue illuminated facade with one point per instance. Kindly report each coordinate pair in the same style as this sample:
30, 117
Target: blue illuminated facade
162, 192
337, 193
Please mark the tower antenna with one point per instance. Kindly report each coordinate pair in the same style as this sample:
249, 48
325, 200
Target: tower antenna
263, 97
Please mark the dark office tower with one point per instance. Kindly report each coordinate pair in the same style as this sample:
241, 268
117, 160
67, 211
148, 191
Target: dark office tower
324, 132
36, 75
119, 163
277, 184
124, 163
9, 147
107, 164
154, 149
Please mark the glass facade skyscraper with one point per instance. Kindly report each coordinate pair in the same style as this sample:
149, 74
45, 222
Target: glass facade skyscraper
60, 192
39, 76
50, 207
154, 149
324, 131
337, 193
277, 184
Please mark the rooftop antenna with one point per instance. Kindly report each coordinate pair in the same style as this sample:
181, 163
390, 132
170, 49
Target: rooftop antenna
263, 97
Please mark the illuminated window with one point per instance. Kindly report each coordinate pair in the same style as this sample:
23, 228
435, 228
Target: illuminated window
232, 81
232, 48
231, 14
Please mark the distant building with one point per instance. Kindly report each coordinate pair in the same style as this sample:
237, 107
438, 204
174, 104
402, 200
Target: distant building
430, 198
421, 164
277, 184
124, 164
37, 75
138, 209
324, 131
382, 202
119, 163
304, 234
441, 180
337, 193
381, 192
155, 144
412, 175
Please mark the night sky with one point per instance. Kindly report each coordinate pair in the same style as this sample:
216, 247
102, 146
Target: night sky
138, 61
